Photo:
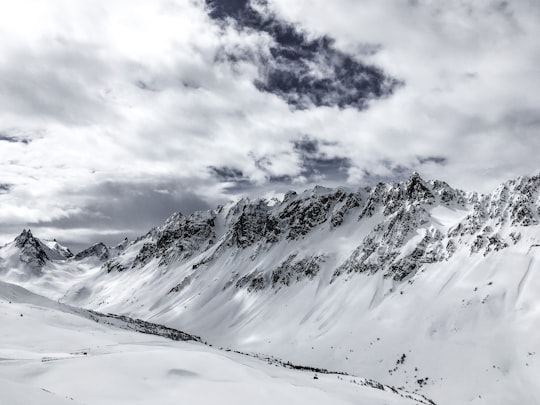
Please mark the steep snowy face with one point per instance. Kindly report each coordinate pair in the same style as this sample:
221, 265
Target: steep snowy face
60, 252
47, 266
98, 250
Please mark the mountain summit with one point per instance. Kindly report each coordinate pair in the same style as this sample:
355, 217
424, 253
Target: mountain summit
31, 249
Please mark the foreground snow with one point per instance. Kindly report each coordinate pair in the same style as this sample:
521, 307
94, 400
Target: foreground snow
51, 355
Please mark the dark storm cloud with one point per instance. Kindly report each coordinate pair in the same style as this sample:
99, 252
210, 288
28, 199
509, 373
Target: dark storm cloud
313, 164
395, 173
399, 172
226, 8
144, 205
439, 160
150, 204
227, 173
316, 164
13, 139
234, 179
304, 71
4, 188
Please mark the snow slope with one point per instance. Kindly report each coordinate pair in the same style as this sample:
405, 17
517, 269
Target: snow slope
77, 361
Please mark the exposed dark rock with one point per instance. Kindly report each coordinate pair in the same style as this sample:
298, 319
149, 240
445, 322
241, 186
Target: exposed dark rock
183, 284
124, 322
145, 255
254, 223
178, 238
112, 266
302, 214
252, 282
31, 250
295, 270
417, 190
352, 200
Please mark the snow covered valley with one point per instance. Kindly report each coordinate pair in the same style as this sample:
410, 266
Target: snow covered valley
53, 354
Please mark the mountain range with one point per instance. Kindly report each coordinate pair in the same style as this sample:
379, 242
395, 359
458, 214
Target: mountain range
416, 285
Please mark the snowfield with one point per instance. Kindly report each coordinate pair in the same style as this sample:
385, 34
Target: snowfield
50, 354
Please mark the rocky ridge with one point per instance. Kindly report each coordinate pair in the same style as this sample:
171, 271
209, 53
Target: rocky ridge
402, 233
405, 232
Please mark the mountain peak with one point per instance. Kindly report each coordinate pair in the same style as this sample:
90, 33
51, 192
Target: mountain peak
99, 250
24, 237
31, 250
417, 189
415, 178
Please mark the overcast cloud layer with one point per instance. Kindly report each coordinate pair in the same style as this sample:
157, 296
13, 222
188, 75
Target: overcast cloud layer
116, 113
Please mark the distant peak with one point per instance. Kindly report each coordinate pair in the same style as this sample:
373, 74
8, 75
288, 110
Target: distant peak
27, 233
415, 176
24, 237
31, 250
99, 250
289, 195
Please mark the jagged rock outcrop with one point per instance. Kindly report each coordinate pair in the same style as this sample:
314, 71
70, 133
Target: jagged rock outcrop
514, 202
381, 249
340, 212
179, 238
293, 269
251, 223
300, 215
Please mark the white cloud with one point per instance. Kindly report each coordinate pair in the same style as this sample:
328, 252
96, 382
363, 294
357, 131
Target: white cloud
470, 70
134, 92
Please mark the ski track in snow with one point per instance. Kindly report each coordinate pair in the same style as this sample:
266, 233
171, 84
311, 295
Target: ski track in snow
523, 280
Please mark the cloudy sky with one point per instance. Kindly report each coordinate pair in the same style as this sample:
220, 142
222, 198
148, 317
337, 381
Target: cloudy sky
116, 113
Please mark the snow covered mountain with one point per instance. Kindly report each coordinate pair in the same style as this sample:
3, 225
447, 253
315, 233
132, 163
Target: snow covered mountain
414, 284
27, 255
